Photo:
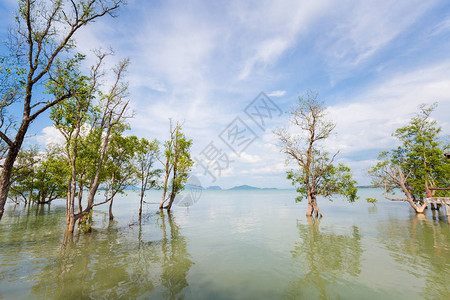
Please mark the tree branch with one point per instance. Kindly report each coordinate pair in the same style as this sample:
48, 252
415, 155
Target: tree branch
439, 189
48, 105
5, 138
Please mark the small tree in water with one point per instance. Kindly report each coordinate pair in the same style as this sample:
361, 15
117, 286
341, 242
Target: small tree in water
316, 175
146, 156
177, 164
417, 164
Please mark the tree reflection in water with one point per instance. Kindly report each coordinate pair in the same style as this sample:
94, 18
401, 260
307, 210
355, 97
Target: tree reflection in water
119, 263
175, 260
325, 260
421, 248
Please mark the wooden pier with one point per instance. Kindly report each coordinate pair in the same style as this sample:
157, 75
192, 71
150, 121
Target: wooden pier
444, 201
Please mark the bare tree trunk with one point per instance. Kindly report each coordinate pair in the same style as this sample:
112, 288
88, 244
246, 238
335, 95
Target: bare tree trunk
316, 207
172, 198
8, 164
174, 187
70, 203
401, 180
418, 209
71, 225
111, 123
80, 198
140, 205
111, 216
168, 165
309, 210
163, 198
96, 180
161, 205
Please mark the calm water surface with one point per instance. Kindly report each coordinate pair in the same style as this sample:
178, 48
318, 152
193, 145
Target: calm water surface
229, 245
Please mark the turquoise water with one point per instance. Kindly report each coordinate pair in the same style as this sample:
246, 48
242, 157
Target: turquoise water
229, 245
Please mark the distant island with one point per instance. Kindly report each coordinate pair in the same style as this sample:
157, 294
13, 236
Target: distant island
248, 187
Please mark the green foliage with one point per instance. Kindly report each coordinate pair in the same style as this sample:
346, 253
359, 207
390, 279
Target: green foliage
371, 200
119, 170
334, 181
339, 180
182, 161
178, 162
39, 177
420, 156
13, 79
51, 176
146, 155
22, 178
91, 122
40, 54
72, 117
68, 113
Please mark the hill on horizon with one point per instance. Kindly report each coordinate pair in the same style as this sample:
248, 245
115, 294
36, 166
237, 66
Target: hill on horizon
248, 187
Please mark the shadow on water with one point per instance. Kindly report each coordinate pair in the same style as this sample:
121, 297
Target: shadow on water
326, 261
143, 260
421, 248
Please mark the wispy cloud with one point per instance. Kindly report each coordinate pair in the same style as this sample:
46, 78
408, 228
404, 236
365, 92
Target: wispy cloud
442, 27
277, 93
360, 29
272, 28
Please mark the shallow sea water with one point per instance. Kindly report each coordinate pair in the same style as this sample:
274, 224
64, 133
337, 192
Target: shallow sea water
229, 245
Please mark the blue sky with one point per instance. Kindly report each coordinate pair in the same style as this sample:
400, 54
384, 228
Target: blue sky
372, 62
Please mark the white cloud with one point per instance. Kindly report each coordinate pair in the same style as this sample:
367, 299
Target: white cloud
277, 93
245, 158
268, 169
50, 136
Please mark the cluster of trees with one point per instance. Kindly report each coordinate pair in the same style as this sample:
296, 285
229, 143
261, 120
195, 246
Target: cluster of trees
418, 167
96, 154
39, 52
42, 73
38, 177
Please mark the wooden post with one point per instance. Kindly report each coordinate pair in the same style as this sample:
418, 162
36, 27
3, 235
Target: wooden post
447, 210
